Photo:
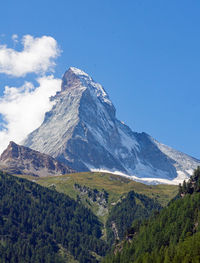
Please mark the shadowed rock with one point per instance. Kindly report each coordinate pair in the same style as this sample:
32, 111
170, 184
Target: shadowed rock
18, 159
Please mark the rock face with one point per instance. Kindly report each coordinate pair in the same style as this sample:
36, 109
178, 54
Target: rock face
82, 131
18, 159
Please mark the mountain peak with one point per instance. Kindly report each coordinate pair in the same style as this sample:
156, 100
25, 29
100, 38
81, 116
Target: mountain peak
82, 131
78, 72
12, 150
11, 143
74, 77
17, 159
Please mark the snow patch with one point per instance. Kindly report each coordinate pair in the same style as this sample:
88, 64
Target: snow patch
149, 181
79, 72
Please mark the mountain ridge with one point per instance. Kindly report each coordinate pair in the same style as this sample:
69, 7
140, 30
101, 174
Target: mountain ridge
82, 131
18, 159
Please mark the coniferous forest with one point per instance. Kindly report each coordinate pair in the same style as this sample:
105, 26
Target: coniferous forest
133, 206
170, 236
37, 224
41, 225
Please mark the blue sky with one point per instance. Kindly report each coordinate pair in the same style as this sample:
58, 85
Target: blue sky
146, 54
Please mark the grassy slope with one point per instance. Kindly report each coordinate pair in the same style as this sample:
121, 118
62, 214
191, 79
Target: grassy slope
115, 185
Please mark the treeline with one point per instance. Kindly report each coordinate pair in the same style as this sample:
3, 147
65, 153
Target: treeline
171, 236
193, 184
36, 224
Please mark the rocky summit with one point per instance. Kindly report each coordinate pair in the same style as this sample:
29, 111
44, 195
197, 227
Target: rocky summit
18, 159
83, 132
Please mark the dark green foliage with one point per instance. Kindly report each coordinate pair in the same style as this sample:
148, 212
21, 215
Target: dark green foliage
35, 222
171, 236
94, 195
193, 184
133, 206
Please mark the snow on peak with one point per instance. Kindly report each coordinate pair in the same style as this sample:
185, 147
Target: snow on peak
82, 130
75, 77
79, 72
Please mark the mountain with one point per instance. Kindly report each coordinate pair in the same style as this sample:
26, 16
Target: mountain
170, 236
83, 132
18, 159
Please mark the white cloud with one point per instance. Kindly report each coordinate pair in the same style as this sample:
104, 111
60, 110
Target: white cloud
37, 56
23, 108
15, 38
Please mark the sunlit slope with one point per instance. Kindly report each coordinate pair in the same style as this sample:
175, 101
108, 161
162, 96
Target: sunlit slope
115, 185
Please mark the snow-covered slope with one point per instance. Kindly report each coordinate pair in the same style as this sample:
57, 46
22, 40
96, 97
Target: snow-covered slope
82, 131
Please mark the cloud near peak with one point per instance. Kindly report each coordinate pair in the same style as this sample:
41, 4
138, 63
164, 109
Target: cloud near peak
23, 108
37, 56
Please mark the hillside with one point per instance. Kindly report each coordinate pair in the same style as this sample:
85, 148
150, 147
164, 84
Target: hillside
106, 195
173, 235
116, 187
132, 207
41, 225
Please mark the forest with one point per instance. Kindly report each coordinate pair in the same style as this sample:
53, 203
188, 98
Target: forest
37, 224
40, 225
170, 236
133, 206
